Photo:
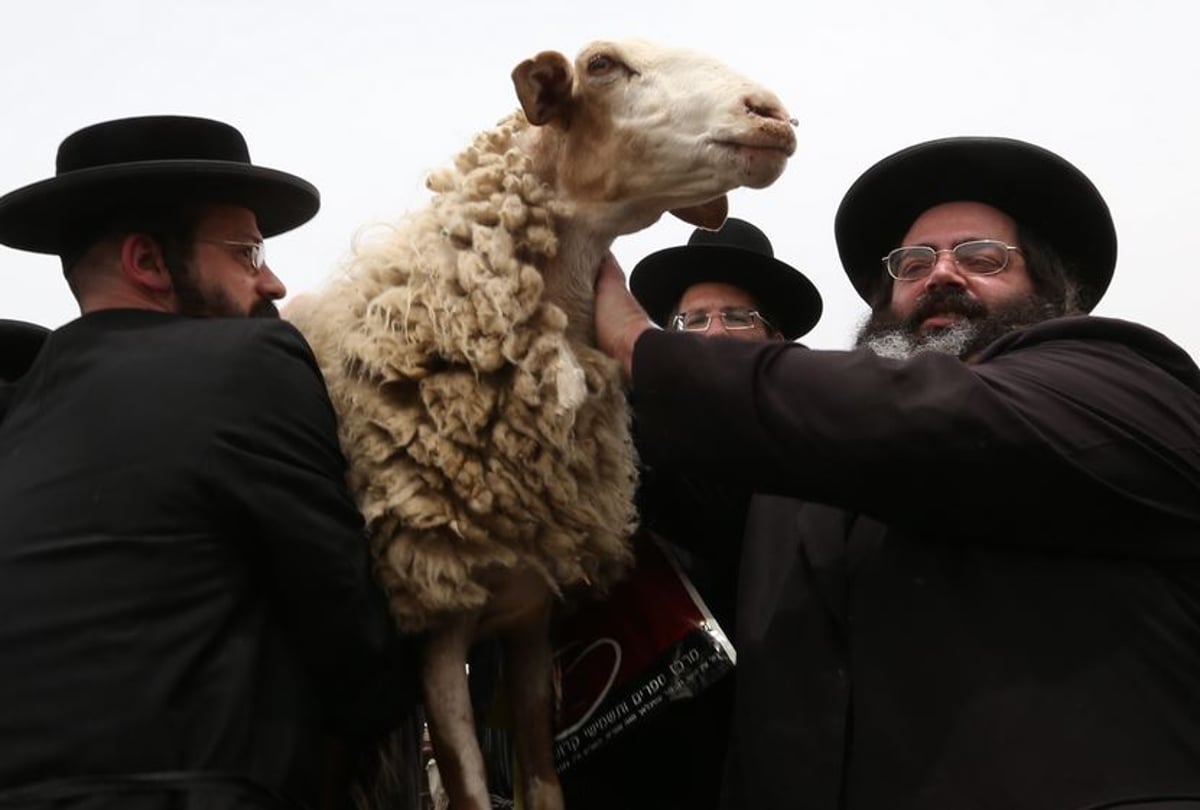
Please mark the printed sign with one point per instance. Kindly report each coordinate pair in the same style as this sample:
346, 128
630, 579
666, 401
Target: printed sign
650, 642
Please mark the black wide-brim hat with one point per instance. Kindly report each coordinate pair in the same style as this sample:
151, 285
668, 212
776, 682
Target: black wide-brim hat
1034, 186
138, 164
20, 342
739, 254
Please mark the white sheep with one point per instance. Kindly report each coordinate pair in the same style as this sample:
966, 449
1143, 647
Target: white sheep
488, 440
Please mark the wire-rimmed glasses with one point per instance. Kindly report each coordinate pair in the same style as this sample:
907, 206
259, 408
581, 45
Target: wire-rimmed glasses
978, 257
255, 253
732, 318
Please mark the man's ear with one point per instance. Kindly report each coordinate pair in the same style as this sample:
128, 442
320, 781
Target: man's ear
143, 265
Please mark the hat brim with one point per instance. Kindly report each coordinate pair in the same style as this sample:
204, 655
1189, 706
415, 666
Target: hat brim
659, 280
1032, 185
47, 217
20, 342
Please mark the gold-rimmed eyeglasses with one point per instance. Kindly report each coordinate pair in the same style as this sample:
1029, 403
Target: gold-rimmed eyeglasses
978, 257
255, 253
733, 319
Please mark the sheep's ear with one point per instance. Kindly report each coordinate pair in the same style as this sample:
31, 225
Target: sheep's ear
710, 215
544, 87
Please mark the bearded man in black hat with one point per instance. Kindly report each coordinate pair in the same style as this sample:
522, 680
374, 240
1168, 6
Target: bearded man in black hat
722, 284
726, 282
186, 601
988, 598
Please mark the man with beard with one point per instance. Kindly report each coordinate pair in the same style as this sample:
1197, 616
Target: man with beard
956, 300
989, 598
727, 284
187, 611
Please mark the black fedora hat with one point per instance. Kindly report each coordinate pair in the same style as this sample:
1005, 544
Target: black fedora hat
738, 254
1034, 186
136, 164
20, 342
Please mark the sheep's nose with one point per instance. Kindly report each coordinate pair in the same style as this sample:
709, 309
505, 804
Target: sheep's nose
771, 120
767, 108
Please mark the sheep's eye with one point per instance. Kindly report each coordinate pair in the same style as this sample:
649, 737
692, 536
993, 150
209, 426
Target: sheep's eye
602, 63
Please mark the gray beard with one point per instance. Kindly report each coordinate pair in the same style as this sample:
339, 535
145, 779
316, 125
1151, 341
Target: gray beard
898, 344
890, 336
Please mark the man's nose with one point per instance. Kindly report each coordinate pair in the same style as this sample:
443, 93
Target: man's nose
716, 325
269, 285
945, 272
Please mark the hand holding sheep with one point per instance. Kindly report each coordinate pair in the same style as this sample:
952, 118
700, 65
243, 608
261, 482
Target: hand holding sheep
620, 319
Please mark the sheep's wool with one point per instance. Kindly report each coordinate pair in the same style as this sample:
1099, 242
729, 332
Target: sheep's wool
478, 437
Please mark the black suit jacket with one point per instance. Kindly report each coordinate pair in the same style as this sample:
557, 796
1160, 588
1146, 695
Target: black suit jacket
184, 582
991, 599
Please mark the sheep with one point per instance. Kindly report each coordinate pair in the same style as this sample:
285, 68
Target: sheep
487, 438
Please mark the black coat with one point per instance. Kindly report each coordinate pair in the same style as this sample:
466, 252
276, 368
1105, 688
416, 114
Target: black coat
992, 598
184, 582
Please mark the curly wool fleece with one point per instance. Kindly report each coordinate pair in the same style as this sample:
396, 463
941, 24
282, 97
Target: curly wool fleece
479, 436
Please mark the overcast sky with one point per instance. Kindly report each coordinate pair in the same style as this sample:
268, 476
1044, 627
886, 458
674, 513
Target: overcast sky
363, 98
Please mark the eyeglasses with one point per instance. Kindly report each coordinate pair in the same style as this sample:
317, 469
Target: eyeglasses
255, 253
979, 257
734, 319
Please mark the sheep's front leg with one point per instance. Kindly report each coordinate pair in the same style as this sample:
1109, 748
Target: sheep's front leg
448, 712
529, 662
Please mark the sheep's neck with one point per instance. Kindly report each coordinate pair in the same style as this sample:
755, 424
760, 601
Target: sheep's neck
585, 232
570, 279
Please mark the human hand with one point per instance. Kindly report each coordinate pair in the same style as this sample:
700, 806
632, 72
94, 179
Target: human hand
620, 319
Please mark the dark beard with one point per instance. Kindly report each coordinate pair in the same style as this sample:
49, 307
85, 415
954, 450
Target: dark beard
198, 303
891, 336
264, 308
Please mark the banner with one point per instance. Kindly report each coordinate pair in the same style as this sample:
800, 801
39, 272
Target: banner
652, 641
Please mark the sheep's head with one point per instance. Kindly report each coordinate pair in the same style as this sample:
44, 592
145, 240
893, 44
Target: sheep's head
642, 129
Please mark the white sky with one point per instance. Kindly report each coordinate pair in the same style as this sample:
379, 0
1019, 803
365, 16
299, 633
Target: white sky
363, 97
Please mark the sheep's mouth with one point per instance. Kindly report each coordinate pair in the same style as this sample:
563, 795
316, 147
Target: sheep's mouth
784, 146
